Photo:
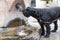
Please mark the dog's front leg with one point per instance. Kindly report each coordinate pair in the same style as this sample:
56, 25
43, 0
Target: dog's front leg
56, 27
42, 28
47, 30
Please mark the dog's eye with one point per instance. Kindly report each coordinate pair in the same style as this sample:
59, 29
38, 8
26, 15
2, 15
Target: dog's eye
34, 11
27, 9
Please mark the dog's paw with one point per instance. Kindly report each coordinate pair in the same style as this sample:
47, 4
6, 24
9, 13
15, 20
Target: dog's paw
53, 31
46, 36
42, 34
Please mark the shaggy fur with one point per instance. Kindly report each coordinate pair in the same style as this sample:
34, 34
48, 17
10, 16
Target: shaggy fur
15, 23
45, 17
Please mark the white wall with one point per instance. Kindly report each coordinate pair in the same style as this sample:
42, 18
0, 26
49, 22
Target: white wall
42, 4
55, 2
58, 2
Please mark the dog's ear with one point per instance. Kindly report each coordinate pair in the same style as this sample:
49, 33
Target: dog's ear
28, 8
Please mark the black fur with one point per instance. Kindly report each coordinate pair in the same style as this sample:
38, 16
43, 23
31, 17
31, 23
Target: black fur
45, 17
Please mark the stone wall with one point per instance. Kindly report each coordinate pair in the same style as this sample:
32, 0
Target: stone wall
27, 3
3, 11
7, 9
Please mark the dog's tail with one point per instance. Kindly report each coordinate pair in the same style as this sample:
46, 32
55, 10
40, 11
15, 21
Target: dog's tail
19, 6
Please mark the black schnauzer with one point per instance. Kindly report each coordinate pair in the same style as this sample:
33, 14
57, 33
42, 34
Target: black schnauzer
44, 16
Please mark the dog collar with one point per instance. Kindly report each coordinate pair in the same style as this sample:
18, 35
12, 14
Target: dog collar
48, 21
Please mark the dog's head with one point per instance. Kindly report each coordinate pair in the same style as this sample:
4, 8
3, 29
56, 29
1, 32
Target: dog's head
27, 12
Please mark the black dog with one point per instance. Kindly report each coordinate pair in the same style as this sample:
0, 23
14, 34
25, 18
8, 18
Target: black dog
44, 16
